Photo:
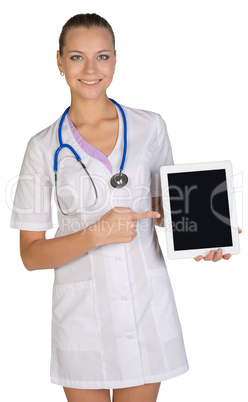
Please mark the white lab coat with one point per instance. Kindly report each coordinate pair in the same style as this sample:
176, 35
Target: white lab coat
114, 318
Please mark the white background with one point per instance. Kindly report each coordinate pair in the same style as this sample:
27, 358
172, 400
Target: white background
186, 60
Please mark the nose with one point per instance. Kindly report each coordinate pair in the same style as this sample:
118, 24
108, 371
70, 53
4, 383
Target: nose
90, 66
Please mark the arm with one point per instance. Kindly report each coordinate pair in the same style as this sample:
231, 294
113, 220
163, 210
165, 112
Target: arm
157, 205
37, 252
116, 226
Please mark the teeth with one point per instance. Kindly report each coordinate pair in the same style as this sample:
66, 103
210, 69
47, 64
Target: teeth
90, 82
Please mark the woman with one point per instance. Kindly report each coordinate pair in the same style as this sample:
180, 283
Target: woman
115, 323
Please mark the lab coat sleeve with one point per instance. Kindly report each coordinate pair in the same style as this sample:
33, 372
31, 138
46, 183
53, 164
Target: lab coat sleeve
162, 156
31, 208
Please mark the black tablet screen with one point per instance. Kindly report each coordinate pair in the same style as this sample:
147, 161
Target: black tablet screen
199, 209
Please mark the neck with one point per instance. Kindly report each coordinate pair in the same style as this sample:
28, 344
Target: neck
91, 111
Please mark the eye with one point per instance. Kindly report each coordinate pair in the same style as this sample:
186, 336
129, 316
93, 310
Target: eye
105, 57
76, 57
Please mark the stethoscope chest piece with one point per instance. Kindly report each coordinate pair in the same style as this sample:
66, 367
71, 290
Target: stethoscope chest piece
119, 180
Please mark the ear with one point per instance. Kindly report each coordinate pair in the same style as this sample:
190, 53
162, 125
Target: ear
59, 62
115, 57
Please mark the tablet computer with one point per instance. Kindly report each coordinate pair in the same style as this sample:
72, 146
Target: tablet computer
199, 209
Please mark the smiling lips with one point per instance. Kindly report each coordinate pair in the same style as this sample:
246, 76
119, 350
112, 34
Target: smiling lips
90, 83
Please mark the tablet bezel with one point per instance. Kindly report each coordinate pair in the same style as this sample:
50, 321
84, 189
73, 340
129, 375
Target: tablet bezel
191, 167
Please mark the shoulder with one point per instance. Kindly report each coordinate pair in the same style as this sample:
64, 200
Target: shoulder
44, 142
40, 147
150, 123
47, 136
143, 116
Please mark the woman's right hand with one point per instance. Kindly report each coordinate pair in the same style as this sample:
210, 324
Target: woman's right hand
119, 225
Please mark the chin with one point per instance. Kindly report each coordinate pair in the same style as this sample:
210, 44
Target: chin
96, 95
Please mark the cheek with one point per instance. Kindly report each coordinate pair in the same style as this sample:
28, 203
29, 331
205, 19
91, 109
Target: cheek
108, 70
72, 69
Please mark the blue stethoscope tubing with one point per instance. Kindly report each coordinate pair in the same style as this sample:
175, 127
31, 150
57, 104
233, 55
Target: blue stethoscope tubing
119, 177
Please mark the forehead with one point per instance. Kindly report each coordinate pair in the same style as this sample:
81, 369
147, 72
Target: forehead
88, 39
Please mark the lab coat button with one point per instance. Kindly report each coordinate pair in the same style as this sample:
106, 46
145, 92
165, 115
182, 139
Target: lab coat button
124, 298
117, 258
130, 337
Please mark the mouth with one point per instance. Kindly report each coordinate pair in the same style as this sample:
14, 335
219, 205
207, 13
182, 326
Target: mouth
90, 83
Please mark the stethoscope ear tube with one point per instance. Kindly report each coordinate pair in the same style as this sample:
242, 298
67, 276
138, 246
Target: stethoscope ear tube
61, 145
56, 191
57, 154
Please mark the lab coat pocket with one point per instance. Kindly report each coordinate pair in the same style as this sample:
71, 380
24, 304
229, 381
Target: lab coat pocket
163, 304
74, 326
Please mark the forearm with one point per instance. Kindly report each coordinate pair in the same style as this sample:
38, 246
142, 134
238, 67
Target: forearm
159, 208
53, 253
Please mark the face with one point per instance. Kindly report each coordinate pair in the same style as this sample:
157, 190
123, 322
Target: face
88, 56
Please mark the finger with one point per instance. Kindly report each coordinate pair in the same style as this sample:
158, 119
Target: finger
240, 231
134, 225
145, 214
218, 255
198, 258
210, 256
122, 210
227, 256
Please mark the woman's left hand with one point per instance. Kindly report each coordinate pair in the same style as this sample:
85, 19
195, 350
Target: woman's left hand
215, 255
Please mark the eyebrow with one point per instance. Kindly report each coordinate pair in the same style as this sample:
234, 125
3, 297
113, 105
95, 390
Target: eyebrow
78, 51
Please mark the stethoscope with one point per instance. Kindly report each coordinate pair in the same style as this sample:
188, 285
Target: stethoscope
119, 180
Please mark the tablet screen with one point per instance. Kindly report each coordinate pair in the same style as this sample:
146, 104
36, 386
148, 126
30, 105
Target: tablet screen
200, 215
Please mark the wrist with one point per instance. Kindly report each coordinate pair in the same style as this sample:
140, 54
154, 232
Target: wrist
94, 237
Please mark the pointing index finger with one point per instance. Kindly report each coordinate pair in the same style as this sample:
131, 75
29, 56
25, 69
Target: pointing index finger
146, 214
